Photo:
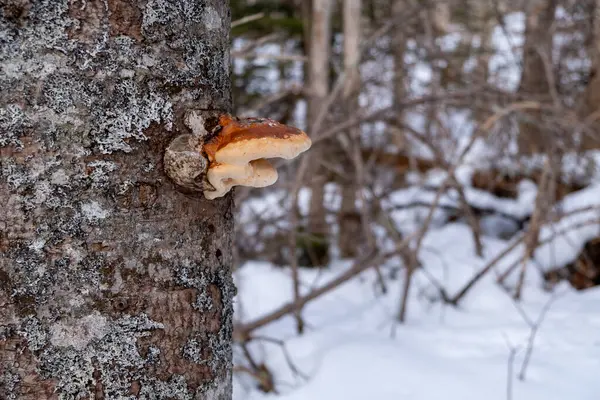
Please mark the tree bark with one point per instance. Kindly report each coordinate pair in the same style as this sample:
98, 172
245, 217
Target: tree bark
320, 49
485, 20
113, 284
535, 82
349, 218
591, 104
398, 44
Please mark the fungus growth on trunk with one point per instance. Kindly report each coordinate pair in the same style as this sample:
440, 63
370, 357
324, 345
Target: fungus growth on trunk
234, 154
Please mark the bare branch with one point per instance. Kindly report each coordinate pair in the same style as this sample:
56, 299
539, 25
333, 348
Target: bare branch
247, 19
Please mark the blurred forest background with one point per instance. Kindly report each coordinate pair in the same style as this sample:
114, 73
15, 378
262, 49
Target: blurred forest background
480, 115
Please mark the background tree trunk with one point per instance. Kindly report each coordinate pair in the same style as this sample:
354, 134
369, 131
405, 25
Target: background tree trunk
398, 48
349, 218
591, 138
320, 50
113, 284
535, 82
483, 20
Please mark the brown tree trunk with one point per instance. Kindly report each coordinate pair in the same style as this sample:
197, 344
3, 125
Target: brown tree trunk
591, 137
349, 218
113, 284
398, 43
320, 49
485, 20
535, 82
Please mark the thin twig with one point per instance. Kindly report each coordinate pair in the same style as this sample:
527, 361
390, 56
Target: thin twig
512, 353
247, 19
286, 354
535, 326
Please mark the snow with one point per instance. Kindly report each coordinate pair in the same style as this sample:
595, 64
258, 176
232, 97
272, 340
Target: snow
580, 208
507, 41
354, 349
349, 352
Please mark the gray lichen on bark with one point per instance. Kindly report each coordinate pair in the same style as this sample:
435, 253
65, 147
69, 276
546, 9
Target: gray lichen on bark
113, 284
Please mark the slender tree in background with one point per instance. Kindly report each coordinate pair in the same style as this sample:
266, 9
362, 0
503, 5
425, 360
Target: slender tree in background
535, 78
318, 79
349, 219
591, 106
398, 48
484, 20
113, 283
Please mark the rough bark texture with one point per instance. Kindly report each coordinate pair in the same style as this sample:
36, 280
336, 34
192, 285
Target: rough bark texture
113, 284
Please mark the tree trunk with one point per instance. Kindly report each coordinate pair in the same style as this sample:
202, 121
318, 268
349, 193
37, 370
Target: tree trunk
485, 20
591, 138
349, 217
320, 50
535, 82
398, 49
113, 284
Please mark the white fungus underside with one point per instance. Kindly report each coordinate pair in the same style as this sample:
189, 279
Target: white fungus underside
223, 177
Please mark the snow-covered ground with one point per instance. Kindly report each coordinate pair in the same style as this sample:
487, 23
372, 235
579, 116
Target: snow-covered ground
354, 349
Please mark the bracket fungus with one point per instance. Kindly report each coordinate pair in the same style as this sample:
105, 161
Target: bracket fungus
235, 154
